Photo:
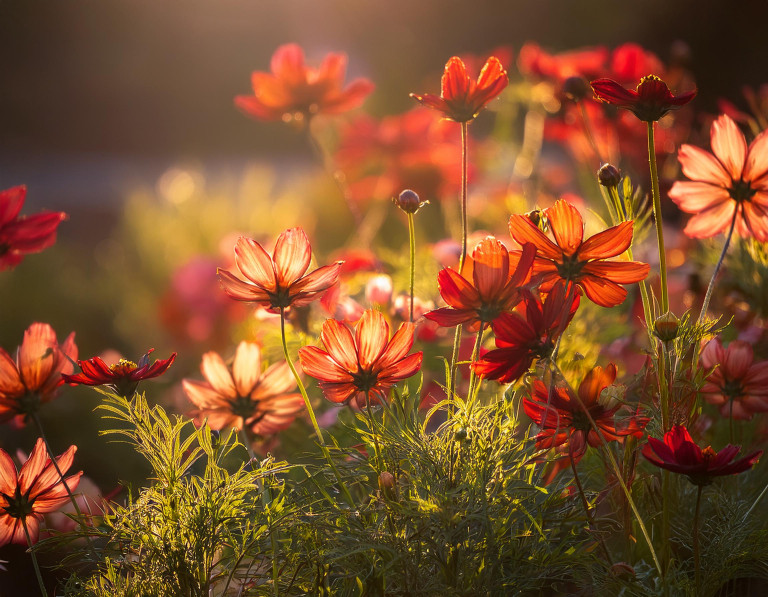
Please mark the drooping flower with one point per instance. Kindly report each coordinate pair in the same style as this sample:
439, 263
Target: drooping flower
527, 334
651, 100
579, 261
564, 423
731, 183
33, 377
20, 235
738, 385
278, 281
494, 288
680, 454
244, 396
123, 376
25, 496
461, 98
294, 91
364, 366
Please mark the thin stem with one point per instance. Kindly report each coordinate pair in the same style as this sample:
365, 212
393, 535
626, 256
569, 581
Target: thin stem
34, 558
587, 511
51, 455
453, 368
710, 288
588, 131
273, 541
379, 461
658, 218
412, 243
756, 502
247, 442
475, 353
311, 412
696, 548
464, 128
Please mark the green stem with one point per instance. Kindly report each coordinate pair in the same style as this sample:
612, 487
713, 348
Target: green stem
755, 503
412, 243
247, 443
51, 455
464, 129
475, 353
34, 558
585, 505
696, 548
454, 358
379, 461
710, 288
311, 412
658, 218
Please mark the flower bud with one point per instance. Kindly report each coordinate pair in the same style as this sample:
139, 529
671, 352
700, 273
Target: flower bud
409, 202
665, 328
623, 571
576, 88
388, 485
608, 175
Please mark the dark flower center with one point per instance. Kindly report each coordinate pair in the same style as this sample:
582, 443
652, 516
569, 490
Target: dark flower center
570, 268
19, 506
4, 248
365, 380
741, 191
281, 298
581, 421
244, 407
488, 312
732, 388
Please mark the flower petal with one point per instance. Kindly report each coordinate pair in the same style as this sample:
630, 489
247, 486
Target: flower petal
372, 335
340, 344
217, 374
693, 197
246, 368
608, 243
701, 165
566, 225
291, 256
729, 145
255, 263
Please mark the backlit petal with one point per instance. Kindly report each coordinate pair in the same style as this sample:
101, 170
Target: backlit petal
701, 165
523, 230
292, 255
372, 335
339, 343
255, 263
608, 243
693, 197
566, 225
217, 374
246, 368
729, 145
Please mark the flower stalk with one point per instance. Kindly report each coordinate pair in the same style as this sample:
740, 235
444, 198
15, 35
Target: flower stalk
39, 576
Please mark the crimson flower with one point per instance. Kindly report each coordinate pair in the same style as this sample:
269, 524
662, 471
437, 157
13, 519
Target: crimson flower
527, 334
278, 281
20, 235
364, 366
651, 100
494, 289
244, 396
293, 91
25, 496
461, 98
33, 377
563, 421
123, 376
738, 385
575, 260
678, 453
731, 183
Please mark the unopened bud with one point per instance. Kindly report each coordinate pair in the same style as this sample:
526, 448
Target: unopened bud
409, 202
460, 435
388, 485
609, 175
576, 88
666, 327
623, 571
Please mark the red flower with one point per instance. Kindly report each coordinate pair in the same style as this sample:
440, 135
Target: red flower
281, 280
649, 102
461, 99
738, 385
578, 261
678, 453
123, 376
732, 181
494, 290
527, 335
33, 377
20, 235
245, 396
364, 366
564, 423
36, 490
294, 91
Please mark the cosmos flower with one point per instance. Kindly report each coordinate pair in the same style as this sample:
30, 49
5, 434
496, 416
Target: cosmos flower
737, 384
244, 396
25, 496
33, 377
364, 366
731, 183
123, 376
294, 91
583, 262
461, 98
278, 281
678, 453
495, 288
20, 235
651, 100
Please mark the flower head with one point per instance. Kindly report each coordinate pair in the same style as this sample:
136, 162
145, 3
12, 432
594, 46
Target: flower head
364, 366
738, 385
20, 235
461, 98
33, 377
731, 183
278, 281
678, 453
123, 376
495, 288
25, 496
294, 91
579, 261
651, 100
243, 396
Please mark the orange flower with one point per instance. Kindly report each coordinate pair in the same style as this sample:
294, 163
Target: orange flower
245, 396
33, 377
279, 281
649, 102
731, 183
461, 99
293, 91
36, 490
361, 367
575, 260
494, 290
